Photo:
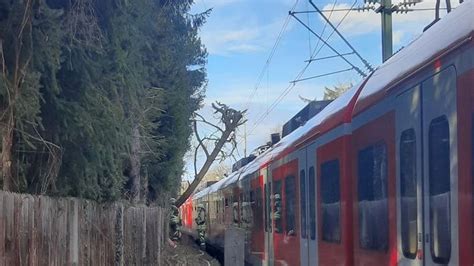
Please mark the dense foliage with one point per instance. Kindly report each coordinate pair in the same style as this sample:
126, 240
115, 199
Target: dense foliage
96, 96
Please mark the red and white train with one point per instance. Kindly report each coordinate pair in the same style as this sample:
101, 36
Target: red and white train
381, 176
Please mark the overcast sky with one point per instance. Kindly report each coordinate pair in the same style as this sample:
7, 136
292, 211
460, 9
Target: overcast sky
239, 36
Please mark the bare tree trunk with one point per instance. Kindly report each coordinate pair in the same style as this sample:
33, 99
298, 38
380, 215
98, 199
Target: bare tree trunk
231, 119
135, 165
7, 160
209, 160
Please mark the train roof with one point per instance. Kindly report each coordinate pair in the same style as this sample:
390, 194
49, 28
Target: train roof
452, 29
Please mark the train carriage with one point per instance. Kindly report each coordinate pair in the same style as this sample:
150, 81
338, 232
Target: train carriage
381, 176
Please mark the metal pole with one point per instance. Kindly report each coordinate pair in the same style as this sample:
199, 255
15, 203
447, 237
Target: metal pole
387, 46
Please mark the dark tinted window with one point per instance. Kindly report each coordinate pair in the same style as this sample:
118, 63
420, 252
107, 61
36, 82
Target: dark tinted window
409, 209
372, 196
312, 203
258, 209
277, 208
259, 197
331, 204
265, 192
290, 204
440, 190
303, 203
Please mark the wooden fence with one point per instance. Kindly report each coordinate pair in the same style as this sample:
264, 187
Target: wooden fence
39, 230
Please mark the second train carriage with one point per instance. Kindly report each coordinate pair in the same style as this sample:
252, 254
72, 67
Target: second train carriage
382, 176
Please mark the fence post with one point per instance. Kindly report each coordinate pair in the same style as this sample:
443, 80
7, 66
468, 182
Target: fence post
144, 234
74, 232
119, 237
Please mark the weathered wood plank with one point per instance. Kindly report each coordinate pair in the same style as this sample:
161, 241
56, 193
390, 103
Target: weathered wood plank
2, 229
39, 230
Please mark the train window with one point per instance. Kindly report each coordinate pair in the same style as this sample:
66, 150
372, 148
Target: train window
226, 202
303, 203
258, 194
265, 192
258, 209
277, 208
409, 208
312, 203
290, 204
331, 201
440, 190
235, 209
372, 196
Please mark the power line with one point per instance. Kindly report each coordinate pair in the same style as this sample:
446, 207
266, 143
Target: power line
290, 87
324, 29
326, 57
270, 57
315, 53
322, 75
331, 47
363, 8
367, 65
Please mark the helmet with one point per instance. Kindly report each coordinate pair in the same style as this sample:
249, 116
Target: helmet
173, 201
277, 196
200, 206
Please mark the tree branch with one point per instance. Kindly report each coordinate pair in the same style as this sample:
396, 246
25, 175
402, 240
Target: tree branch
200, 140
203, 120
231, 119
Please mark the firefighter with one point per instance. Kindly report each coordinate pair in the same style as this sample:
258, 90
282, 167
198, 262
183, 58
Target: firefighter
201, 225
277, 212
235, 213
175, 221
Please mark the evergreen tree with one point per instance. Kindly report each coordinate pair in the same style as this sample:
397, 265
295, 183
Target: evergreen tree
103, 106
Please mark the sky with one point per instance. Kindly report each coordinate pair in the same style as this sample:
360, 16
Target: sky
240, 36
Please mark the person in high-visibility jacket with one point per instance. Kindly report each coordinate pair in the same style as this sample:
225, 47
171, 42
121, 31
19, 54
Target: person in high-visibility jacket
235, 213
175, 221
277, 212
201, 225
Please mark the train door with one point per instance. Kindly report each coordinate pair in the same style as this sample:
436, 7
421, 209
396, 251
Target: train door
307, 192
286, 242
311, 162
427, 172
267, 192
409, 169
257, 203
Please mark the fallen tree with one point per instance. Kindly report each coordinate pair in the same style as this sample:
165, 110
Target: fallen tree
213, 146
